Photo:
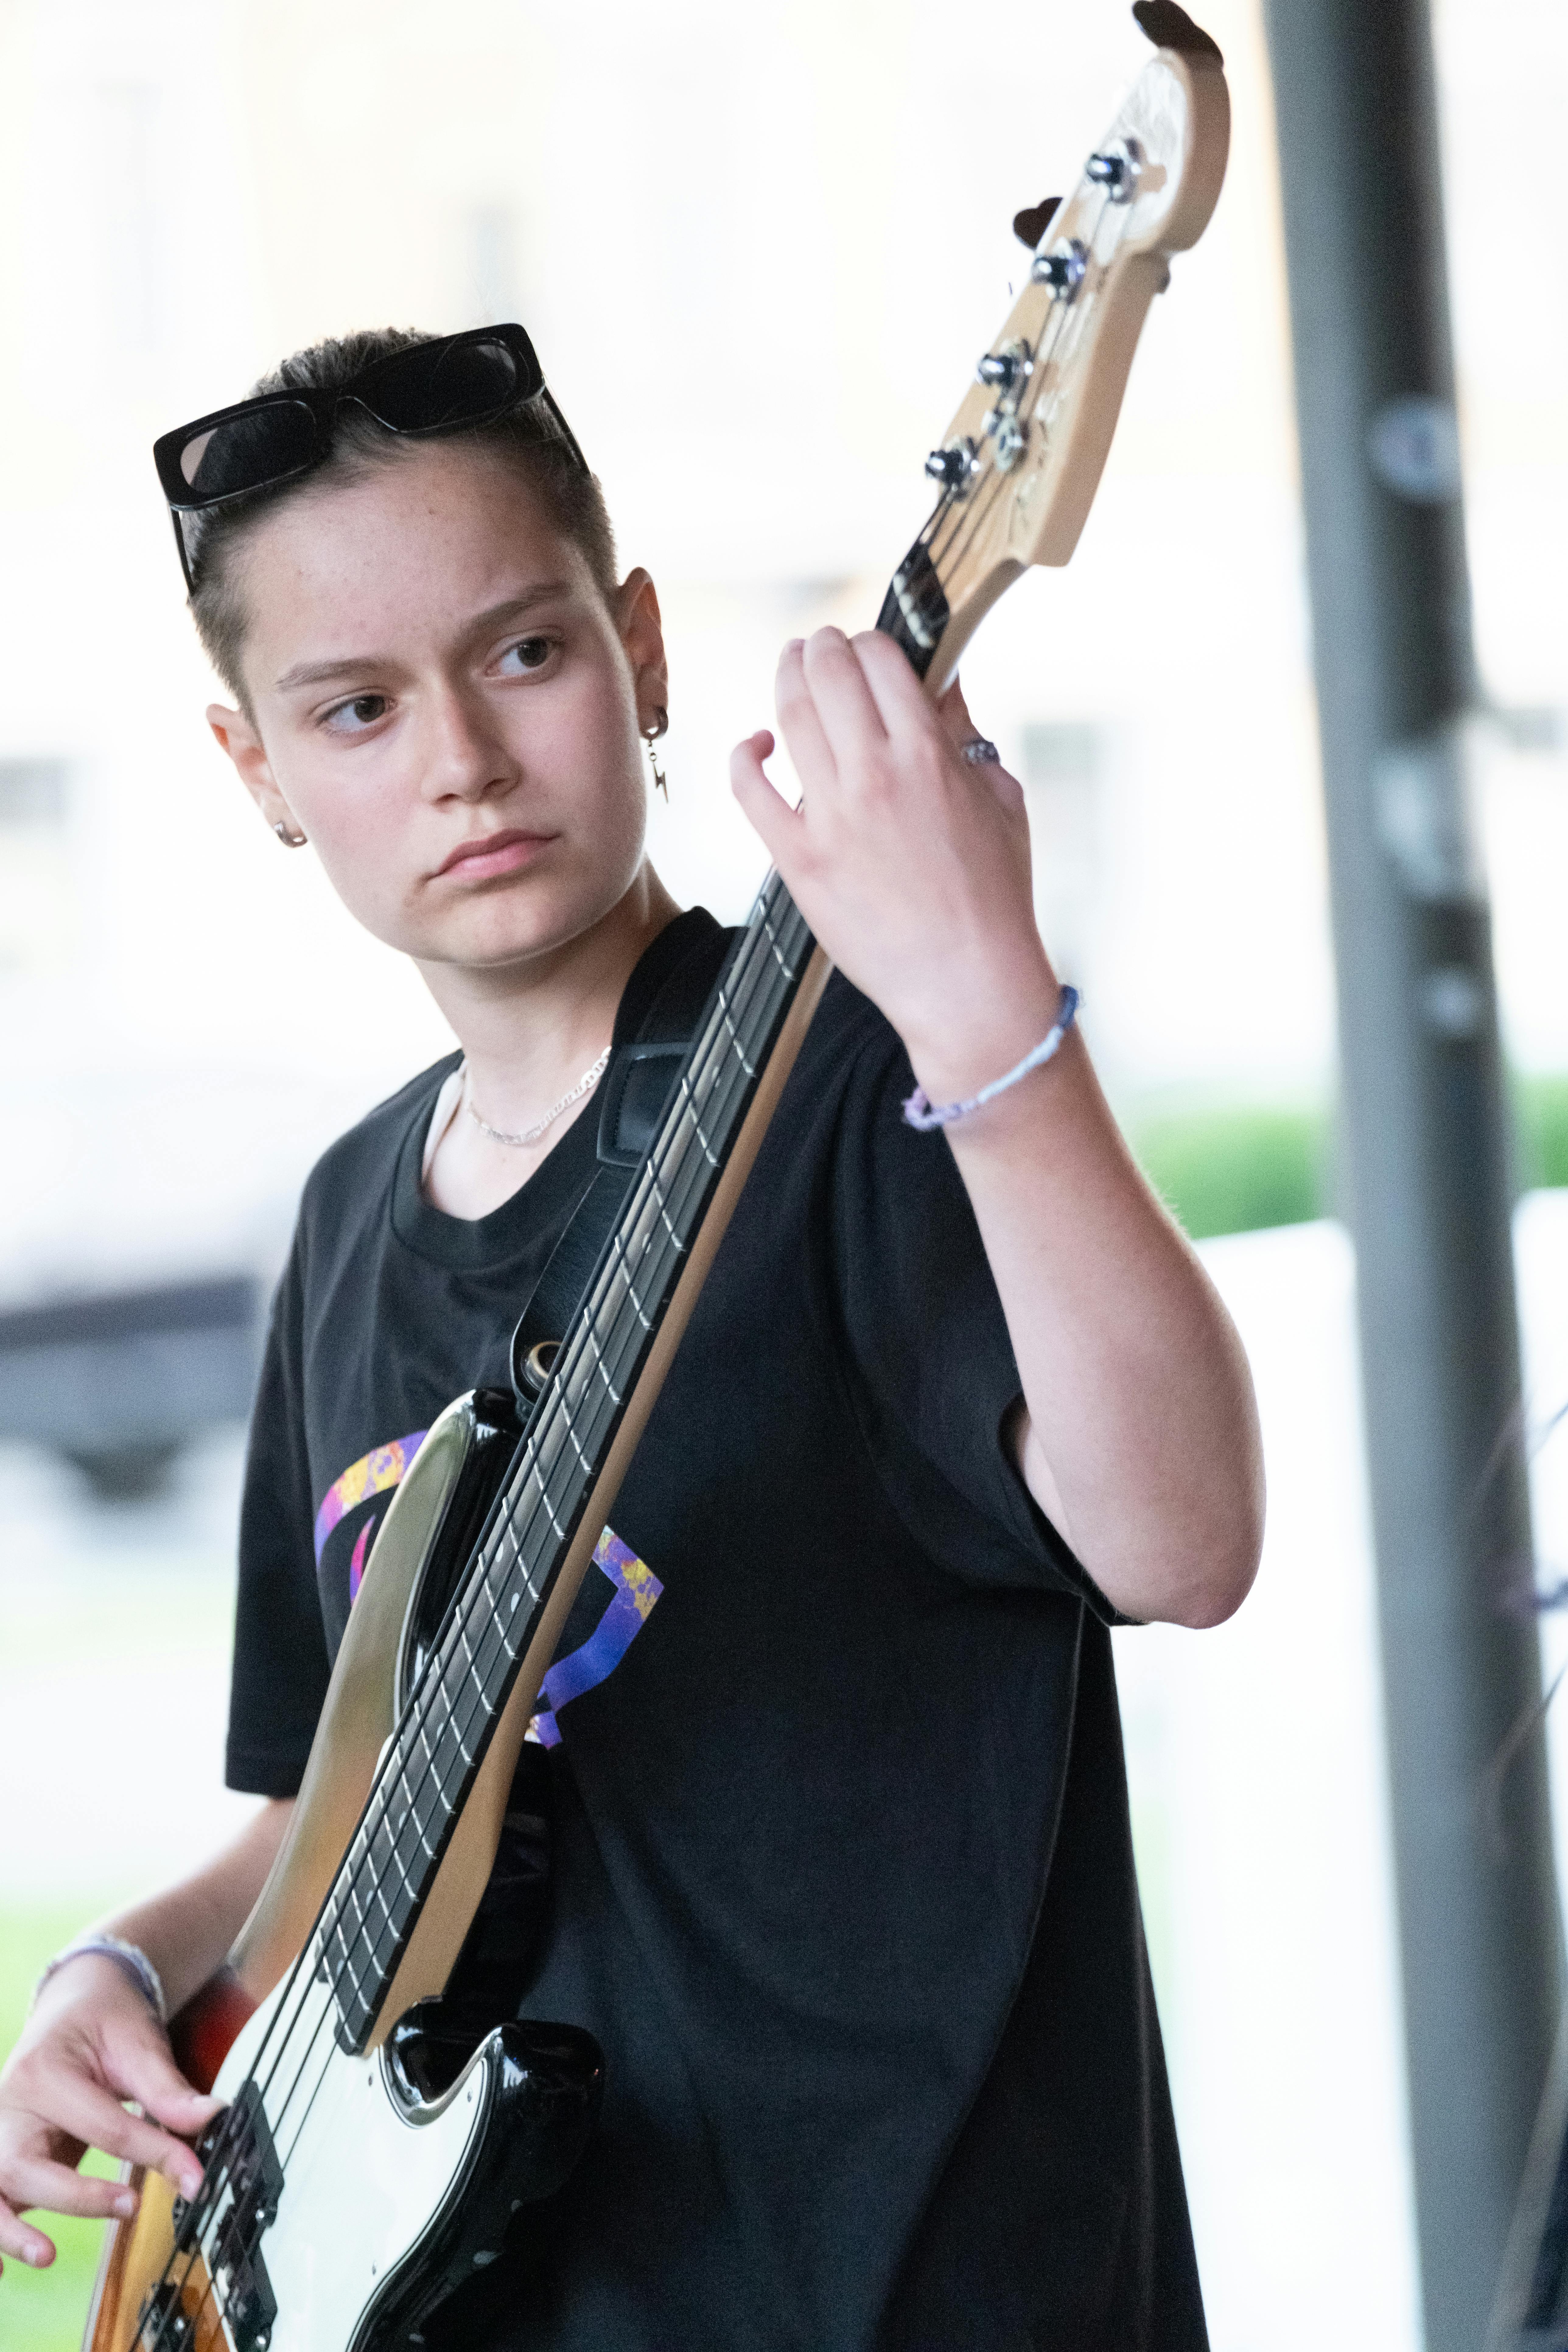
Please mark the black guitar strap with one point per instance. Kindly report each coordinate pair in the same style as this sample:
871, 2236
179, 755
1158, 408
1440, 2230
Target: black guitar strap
633, 1094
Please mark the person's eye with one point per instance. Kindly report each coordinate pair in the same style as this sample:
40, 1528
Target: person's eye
528, 654
354, 716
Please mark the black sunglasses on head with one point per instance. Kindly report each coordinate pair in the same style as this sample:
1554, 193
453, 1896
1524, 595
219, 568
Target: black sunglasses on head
434, 387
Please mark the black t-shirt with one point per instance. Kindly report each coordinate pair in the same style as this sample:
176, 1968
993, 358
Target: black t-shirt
843, 1877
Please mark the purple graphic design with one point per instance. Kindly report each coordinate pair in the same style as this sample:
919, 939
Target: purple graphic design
383, 1466
356, 1558
631, 1605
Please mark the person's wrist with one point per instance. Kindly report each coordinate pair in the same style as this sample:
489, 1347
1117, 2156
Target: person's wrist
972, 1035
116, 1960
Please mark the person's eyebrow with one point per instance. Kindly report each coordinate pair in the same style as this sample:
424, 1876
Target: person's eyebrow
514, 608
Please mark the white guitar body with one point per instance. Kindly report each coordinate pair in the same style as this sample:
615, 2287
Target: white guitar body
352, 2146
422, 2188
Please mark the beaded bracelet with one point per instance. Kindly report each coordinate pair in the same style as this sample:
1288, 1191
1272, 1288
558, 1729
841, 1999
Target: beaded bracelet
128, 1957
920, 1112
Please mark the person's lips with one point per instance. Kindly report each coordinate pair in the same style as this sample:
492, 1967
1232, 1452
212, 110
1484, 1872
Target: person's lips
493, 853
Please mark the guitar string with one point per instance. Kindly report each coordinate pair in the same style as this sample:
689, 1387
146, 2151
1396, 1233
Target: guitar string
487, 1599
573, 1395
481, 1579
475, 1702
537, 1472
578, 1387
483, 1633
485, 1596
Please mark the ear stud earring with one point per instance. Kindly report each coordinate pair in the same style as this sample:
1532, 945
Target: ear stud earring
657, 726
290, 840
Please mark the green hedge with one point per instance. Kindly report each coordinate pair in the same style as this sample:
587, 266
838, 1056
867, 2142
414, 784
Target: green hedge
1233, 1168
1230, 1170
1541, 1115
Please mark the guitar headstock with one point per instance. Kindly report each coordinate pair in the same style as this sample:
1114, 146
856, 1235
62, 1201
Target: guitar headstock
1021, 461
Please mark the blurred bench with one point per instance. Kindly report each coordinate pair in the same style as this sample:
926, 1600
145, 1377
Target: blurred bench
117, 1383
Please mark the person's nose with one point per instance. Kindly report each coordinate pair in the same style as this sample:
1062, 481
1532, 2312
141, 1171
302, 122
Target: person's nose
467, 760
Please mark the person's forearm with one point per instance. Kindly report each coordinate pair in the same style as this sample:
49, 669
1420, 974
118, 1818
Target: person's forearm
1140, 1441
910, 861
187, 1931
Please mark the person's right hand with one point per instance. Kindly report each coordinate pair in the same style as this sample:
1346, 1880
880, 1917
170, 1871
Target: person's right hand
91, 2043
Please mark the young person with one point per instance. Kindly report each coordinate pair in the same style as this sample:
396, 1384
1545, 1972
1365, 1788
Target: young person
841, 1871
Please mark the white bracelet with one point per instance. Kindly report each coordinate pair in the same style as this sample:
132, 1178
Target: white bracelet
921, 1113
128, 1957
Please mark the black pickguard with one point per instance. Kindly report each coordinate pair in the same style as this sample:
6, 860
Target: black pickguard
546, 2082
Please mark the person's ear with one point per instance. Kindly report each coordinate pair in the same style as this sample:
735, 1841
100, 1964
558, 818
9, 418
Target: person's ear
641, 629
237, 736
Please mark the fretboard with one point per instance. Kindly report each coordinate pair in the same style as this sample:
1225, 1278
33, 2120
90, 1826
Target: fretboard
444, 1732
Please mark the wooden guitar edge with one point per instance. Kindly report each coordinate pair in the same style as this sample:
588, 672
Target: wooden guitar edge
134, 2257
464, 1869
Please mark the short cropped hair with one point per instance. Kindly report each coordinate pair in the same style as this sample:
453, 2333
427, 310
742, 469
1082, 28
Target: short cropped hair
527, 440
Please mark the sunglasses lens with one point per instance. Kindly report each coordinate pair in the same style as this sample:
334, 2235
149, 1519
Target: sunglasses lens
249, 450
434, 385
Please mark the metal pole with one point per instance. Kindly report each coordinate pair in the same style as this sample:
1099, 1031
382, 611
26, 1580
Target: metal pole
1426, 1156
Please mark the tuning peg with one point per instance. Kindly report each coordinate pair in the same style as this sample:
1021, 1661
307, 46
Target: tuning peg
1031, 224
1003, 370
1116, 170
1062, 268
954, 467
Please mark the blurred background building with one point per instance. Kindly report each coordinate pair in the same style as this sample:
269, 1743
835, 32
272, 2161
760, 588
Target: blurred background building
759, 251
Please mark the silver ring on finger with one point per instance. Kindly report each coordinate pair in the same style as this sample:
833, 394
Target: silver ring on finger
981, 753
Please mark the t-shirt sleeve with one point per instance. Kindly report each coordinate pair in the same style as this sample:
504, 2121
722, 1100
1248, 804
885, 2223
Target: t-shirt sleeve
931, 1366
281, 1662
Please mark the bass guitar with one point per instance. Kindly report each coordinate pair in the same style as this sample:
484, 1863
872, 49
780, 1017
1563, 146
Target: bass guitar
388, 2122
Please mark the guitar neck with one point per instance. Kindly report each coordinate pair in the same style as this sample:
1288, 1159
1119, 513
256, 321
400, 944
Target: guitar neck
443, 1733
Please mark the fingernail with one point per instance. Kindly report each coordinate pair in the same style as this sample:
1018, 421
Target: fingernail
125, 2205
38, 2253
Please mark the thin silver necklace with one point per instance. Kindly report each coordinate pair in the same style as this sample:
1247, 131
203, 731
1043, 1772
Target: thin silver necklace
589, 1078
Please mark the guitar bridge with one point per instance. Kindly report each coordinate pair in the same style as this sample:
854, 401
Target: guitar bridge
217, 2242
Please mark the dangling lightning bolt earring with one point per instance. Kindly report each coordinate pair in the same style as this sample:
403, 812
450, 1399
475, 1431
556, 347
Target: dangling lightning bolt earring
657, 726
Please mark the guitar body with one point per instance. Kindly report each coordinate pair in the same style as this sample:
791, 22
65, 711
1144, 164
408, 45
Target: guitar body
438, 2136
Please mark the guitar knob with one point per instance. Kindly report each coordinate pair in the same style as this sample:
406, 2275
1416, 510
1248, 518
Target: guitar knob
954, 466
1062, 268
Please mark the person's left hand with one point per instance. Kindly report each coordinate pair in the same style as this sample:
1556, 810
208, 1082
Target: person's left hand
911, 863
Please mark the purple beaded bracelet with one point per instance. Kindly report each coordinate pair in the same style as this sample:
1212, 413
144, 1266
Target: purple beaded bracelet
920, 1112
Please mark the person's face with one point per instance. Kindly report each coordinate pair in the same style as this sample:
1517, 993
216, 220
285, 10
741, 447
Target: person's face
447, 707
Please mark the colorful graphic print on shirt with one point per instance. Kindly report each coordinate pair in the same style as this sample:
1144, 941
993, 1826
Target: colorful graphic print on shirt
603, 1624
375, 1472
